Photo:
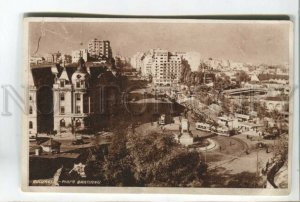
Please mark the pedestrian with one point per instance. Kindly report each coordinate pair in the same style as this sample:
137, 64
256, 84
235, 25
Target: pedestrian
220, 148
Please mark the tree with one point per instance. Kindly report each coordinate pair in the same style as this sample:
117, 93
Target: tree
118, 164
242, 76
225, 104
246, 180
262, 110
160, 161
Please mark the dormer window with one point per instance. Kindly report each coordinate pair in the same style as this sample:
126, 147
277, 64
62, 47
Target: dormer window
62, 83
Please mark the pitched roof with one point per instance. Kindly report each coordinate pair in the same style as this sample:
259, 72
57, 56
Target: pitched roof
276, 99
254, 78
64, 75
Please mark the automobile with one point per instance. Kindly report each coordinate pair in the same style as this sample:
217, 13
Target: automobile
78, 142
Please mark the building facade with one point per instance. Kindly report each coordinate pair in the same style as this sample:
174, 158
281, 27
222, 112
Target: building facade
278, 103
77, 54
167, 67
100, 48
32, 112
147, 64
136, 61
71, 99
162, 65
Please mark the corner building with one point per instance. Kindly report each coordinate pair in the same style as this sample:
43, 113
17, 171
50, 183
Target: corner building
71, 99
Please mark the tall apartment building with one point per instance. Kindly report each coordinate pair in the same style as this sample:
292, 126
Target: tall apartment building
100, 48
166, 67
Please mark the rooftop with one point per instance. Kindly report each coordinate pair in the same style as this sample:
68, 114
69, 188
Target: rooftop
283, 99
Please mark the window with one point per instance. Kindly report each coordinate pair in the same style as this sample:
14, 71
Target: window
78, 110
30, 97
77, 123
62, 83
77, 84
30, 125
30, 110
62, 97
62, 123
62, 110
77, 97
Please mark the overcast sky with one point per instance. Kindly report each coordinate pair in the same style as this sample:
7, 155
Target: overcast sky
241, 42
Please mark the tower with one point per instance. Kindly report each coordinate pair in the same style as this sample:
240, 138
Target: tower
32, 106
62, 95
80, 96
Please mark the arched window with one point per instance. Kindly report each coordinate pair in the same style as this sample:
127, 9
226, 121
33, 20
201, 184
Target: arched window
62, 123
30, 125
78, 123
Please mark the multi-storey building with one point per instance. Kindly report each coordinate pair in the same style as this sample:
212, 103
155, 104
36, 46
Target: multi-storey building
163, 66
100, 48
32, 112
136, 61
77, 54
167, 67
147, 64
70, 98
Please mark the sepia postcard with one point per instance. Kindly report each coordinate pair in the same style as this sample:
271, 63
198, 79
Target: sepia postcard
144, 105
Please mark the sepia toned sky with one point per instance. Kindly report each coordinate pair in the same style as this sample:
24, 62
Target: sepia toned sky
241, 42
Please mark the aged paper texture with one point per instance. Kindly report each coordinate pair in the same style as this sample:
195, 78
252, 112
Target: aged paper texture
157, 106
